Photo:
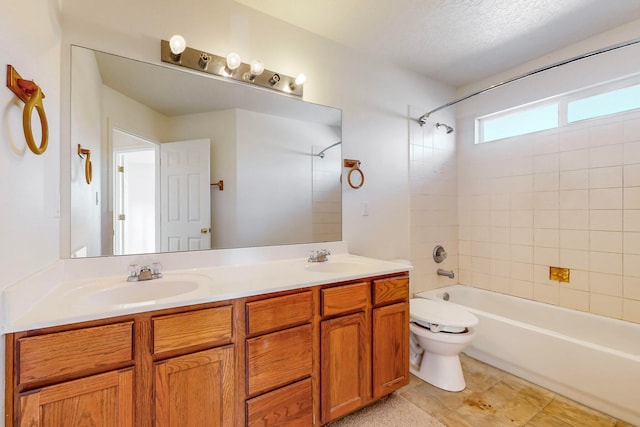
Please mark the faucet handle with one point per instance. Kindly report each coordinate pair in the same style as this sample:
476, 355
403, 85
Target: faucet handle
156, 271
133, 272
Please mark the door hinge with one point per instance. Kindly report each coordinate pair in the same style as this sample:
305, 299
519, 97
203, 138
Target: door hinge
121, 217
121, 169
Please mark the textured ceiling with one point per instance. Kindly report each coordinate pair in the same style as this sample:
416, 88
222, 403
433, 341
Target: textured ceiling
454, 41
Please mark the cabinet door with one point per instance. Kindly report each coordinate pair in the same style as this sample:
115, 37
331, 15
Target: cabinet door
345, 365
196, 390
390, 348
104, 400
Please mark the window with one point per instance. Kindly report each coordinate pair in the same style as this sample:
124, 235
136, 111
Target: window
615, 101
520, 123
559, 111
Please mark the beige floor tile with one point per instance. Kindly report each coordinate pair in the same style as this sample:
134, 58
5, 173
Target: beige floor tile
575, 414
496, 398
511, 404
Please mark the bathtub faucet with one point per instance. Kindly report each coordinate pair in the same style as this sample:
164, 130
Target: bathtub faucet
448, 273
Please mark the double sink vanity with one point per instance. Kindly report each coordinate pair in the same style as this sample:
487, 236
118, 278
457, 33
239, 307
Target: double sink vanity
281, 342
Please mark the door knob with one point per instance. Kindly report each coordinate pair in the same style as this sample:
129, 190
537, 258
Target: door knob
205, 230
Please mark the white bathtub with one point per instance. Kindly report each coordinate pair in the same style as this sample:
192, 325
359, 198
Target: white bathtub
591, 359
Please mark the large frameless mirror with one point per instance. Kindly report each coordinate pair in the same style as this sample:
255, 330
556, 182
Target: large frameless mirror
183, 161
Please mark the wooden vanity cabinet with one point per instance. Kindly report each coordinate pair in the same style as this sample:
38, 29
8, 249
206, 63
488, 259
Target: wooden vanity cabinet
194, 388
73, 376
390, 335
302, 357
173, 367
345, 349
279, 360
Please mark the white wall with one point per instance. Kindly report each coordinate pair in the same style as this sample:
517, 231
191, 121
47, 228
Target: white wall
29, 222
565, 198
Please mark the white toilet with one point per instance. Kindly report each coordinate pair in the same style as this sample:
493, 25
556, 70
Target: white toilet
439, 332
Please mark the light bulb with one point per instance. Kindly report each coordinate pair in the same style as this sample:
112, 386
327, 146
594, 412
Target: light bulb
233, 61
257, 67
300, 79
177, 44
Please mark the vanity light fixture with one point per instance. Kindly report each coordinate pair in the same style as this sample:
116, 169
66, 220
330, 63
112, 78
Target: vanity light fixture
233, 62
274, 79
177, 44
298, 81
256, 68
176, 52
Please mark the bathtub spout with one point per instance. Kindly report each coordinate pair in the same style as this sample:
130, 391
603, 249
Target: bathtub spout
448, 273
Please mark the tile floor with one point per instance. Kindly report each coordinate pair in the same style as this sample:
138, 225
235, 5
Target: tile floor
495, 398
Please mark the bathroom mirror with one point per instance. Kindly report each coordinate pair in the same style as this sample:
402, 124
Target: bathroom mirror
184, 161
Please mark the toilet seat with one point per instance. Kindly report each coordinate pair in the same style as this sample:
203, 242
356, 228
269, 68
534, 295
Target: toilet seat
440, 316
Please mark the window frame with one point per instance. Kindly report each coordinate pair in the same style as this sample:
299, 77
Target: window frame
562, 101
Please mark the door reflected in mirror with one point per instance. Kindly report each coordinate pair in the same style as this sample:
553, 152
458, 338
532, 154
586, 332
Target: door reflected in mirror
160, 137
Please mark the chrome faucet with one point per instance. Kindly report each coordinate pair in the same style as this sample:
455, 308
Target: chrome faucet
319, 256
144, 273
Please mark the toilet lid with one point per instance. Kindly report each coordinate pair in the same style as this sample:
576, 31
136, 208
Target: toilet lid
443, 314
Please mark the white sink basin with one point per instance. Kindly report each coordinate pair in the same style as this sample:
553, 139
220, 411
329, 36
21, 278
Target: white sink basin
130, 294
344, 267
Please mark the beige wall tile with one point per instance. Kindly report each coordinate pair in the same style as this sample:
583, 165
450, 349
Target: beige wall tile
574, 259
574, 239
610, 155
605, 262
549, 294
610, 177
574, 219
574, 299
605, 284
606, 241
605, 198
631, 310
631, 175
632, 152
631, 198
607, 220
546, 256
605, 305
631, 287
522, 288
576, 159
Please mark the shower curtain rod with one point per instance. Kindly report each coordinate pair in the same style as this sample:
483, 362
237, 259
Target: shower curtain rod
423, 119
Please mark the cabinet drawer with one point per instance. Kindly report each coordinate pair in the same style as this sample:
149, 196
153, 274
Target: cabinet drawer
85, 351
343, 299
211, 326
279, 312
386, 291
290, 405
278, 358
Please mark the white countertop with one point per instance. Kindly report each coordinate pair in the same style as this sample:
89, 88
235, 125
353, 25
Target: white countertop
90, 298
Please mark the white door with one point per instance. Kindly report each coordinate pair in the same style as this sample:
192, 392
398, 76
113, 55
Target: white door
184, 195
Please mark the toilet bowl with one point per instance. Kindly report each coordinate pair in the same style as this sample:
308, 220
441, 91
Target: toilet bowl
439, 331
